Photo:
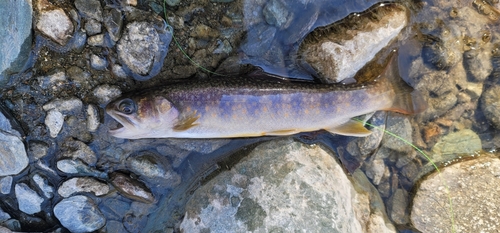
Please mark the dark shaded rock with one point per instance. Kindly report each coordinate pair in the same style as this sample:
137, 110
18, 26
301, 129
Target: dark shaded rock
131, 188
490, 104
90, 8
113, 22
259, 40
79, 214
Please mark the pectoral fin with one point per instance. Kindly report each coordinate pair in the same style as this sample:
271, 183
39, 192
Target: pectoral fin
351, 128
186, 123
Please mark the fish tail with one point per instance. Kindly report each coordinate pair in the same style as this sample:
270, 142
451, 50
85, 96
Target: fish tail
407, 100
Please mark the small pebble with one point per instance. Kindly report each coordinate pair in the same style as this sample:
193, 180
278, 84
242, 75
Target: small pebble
54, 121
98, 63
92, 118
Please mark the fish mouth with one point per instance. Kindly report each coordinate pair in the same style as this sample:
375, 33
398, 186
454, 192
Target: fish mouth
120, 124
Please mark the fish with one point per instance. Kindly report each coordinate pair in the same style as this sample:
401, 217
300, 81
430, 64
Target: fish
257, 105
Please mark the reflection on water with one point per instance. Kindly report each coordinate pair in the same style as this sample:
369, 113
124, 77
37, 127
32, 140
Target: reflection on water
448, 51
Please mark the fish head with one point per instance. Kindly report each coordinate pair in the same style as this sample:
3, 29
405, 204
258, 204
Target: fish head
142, 117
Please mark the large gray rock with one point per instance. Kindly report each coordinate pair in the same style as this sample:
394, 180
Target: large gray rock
53, 22
473, 187
79, 214
13, 157
285, 186
15, 21
143, 47
28, 200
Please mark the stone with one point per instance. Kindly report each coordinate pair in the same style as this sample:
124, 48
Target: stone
172, 2
13, 157
78, 150
464, 141
79, 214
92, 27
490, 104
277, 187
16, 20
54, 23
106, 93
113, 21
54, 122
98, 63
143, 47
3, 217
79, 77
53, 80
43, 184
90, 9
259, 40
28, 200
202, 31
82, 184
473, 187
154, 168
96, 40
131, 188
38, 149
478, 64
70, 166
92, 118
69, 106
5, 184
401, 126
338, 53
276, 14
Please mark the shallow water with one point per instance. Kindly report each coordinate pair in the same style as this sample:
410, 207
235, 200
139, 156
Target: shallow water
444, 44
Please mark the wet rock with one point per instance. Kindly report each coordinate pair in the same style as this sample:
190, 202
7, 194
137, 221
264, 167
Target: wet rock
401, 126
397, 207
277, 187
43, 184
5, 184
98, 63
113, 21
53, 22
13, 157
80, 77
106, 93
52, 81
90, 8
131, 188
97, 40
200, 146
79, 214
92, 27
82, 184
70, 106
114, 227
54, 122
79, 150
472, 186
70, 166
276, 14
143, 47
204, 32
337, 52
464, 141
477, 62
15, 18
490, 104
28, 200
376, 169
153, 168
118, 71
3, 217
259, 40
92, 118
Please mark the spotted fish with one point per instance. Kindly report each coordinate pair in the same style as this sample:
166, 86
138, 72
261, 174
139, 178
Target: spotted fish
255, 105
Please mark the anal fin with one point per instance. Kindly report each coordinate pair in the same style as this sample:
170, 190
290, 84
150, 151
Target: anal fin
186, 123
282, 132
351, 128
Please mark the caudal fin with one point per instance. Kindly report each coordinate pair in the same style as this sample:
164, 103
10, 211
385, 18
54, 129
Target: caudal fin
407, 100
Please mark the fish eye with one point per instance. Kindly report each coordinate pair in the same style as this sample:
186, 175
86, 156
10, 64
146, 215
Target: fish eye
127, 106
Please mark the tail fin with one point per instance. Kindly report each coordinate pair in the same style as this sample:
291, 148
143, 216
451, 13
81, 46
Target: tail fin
407, 100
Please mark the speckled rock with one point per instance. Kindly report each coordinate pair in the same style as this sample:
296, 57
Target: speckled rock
143, 47
277, 187
79, 214
15, 18
82, 184
106, 93
43, 185
54, 122
113, 21
98, 63
473, 187
71, 166
79, 150
53, 22
28, 200
336, 53
90, 8
13, 157
131, 188
464, 141
154, 168
490, 104
5, 184
93, 121
276, 13
71, 105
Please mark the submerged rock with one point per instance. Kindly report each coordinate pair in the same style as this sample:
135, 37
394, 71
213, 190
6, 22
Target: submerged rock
473, 187
462, 142
79, 214
277, 187
490, 105
16, 20
338, 51
131, 188
82, 184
